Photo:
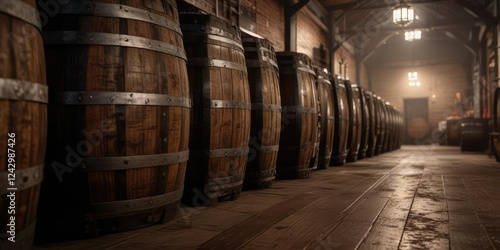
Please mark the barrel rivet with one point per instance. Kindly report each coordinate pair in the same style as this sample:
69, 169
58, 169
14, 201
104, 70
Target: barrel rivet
164, 114
147, 100
164, 139
79, 98
126, 9
125, 162
90, 97
112, 99
126, 39
169, 100
131, 95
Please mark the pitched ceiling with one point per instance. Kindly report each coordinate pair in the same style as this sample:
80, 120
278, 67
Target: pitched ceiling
450, 29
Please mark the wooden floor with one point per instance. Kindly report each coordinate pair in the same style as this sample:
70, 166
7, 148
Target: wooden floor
419, 197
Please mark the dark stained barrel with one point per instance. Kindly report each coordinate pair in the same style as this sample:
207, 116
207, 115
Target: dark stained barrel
401, 127
473, 134
373, 126
220, 126
342, 123
389, 132
326, 117
119, 117
495, 143
381, 115
453, 132
263, 79
299, 116
365, 124
354, 133
23, 120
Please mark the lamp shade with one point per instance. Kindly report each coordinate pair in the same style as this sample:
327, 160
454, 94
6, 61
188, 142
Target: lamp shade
403, 15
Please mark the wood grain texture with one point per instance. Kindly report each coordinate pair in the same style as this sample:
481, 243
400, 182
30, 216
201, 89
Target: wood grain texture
115, 130
342, 123
21, 58
355, 117
216, 127
419, 197
326, 117
365, 123
263, 79
373, 127
381, 120
299, 116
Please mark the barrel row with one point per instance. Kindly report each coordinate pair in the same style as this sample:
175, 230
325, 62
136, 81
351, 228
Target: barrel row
149, 109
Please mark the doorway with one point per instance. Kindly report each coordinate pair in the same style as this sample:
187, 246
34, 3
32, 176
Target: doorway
417, 127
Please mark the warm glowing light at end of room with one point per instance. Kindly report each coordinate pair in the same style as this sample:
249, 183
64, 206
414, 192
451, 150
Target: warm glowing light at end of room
413, 35
413, 79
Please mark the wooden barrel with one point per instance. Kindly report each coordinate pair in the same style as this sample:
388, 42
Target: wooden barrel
381, 115
365, 123
23, 121
354, 132
265, 130
326, 116
389, 132
342, 122
453, 130
220, 127
495, 140
374, 128
473, 134
299, 116
401, 129
119, 117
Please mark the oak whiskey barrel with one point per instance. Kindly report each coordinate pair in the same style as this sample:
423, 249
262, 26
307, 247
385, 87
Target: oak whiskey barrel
299, 116
119, 117
495, 140
326, 116
23, 120
342, 122
373, 126
354, 133
381, 115
220, 127
263, 79
365, 124
473, 135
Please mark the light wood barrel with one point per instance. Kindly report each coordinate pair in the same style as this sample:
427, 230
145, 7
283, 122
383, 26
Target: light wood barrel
119, 117
220, 127
342, 122
326, 117
354, 133
299, 116
23, 120
263, 79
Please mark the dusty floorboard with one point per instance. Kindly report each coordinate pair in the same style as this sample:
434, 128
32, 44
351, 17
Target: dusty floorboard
427, 197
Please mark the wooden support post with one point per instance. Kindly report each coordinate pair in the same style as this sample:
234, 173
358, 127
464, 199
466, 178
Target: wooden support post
331, 41
291, 9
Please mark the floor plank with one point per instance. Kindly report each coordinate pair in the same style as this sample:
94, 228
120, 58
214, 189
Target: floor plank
419, 197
